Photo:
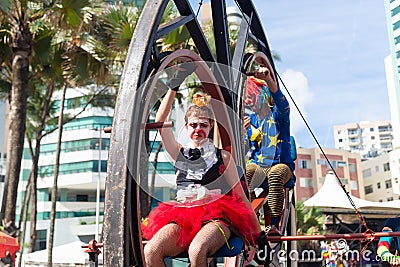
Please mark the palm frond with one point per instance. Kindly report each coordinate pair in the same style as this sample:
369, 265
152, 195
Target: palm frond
5, 7
119, 24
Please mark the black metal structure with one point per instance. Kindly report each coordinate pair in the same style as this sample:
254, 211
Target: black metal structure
145, 60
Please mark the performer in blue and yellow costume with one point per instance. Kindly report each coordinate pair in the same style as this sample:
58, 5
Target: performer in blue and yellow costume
268, 137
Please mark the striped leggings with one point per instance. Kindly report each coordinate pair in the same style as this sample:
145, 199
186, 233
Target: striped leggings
277, 175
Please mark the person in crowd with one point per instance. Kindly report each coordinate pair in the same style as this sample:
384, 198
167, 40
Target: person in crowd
391, 225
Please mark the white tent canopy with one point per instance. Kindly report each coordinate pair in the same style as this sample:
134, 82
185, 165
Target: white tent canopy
71, 254
331, 195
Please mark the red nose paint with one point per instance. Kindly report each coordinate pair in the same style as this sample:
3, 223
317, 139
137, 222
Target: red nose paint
199, 132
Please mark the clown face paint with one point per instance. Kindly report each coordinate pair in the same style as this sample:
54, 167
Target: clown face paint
198, 129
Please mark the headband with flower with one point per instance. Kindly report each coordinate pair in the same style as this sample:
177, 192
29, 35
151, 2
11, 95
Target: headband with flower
201, 99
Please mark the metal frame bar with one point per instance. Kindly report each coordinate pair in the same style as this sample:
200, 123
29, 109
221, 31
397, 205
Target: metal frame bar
173, 25
256, 28
354, 236
220, 25
194, 28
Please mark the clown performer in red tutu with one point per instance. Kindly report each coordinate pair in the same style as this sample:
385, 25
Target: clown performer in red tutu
211, 204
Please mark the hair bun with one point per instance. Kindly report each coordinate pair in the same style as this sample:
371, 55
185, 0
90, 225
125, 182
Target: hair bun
201, 99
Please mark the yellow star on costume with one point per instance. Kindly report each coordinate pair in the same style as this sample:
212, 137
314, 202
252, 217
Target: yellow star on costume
273, 140
256, 134
260, 158
270, 121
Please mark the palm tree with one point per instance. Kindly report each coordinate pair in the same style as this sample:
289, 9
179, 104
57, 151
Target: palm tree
15, 20
309, 221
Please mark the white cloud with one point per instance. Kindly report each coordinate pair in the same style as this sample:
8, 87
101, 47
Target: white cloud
297, 85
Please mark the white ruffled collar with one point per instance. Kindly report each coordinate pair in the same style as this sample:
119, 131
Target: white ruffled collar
209, 155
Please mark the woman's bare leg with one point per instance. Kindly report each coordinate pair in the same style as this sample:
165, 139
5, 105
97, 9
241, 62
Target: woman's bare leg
163, 243
206, 242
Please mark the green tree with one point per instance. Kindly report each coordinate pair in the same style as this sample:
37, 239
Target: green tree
309, 221
15, 22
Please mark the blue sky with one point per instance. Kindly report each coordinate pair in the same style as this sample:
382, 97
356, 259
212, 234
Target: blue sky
332, 61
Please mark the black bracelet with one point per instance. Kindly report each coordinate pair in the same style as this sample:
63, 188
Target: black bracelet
176, 89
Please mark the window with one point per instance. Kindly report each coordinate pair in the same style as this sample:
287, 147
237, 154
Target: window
367, 172
41, 237
386, 128
77, 145
352, 131
333, 163
88, 123
372, 137
371, 129
74, 167
340, 140
385, 137
162, 167
306, 182
353, 140
386, 167
377, 168
388, 184
386, 146
389, 198
352, 167
395, 11
353, 185
82, 198
341, 163
368, 189
378, 185
304, 164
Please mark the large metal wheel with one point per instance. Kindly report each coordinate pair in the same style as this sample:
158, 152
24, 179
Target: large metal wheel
143, 67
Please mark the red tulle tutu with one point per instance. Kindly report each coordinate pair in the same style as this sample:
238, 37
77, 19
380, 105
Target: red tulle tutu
191, 216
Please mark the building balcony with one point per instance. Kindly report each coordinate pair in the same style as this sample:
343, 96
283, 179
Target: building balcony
385, 140
69, 206
355, 144
353, 134
385, 135
79, 181
385, 129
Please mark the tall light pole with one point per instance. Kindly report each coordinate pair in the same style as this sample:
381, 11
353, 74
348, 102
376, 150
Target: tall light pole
96, 234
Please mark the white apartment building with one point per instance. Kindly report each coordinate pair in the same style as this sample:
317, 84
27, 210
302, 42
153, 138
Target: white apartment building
392, 65
79, 173
381, 177
369, 139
